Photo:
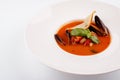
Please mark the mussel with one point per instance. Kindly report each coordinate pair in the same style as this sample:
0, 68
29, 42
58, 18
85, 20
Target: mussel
99, 23
59, 39
99, 28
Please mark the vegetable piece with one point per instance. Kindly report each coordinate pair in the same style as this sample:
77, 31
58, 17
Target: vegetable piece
75, 39
81, 32
82, 40
87, 42
95, 39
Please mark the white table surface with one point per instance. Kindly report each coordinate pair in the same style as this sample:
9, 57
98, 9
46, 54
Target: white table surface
16, 60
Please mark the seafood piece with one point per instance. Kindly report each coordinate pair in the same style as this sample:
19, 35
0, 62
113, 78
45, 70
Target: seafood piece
58, 39
102, 27
96, 30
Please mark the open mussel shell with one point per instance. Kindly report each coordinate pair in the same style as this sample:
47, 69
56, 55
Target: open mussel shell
102, 27
59, 39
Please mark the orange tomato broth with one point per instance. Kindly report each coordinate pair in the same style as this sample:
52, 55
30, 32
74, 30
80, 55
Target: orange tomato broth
79, 49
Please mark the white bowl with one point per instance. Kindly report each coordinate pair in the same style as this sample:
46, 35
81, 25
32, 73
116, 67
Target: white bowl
40, 37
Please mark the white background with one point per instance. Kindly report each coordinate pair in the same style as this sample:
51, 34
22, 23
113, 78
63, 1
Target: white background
16, 60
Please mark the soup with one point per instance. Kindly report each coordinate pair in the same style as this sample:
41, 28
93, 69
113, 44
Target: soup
89, 41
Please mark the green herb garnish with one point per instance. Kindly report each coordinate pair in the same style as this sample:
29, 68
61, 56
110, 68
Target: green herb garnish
85, 33
80, 32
